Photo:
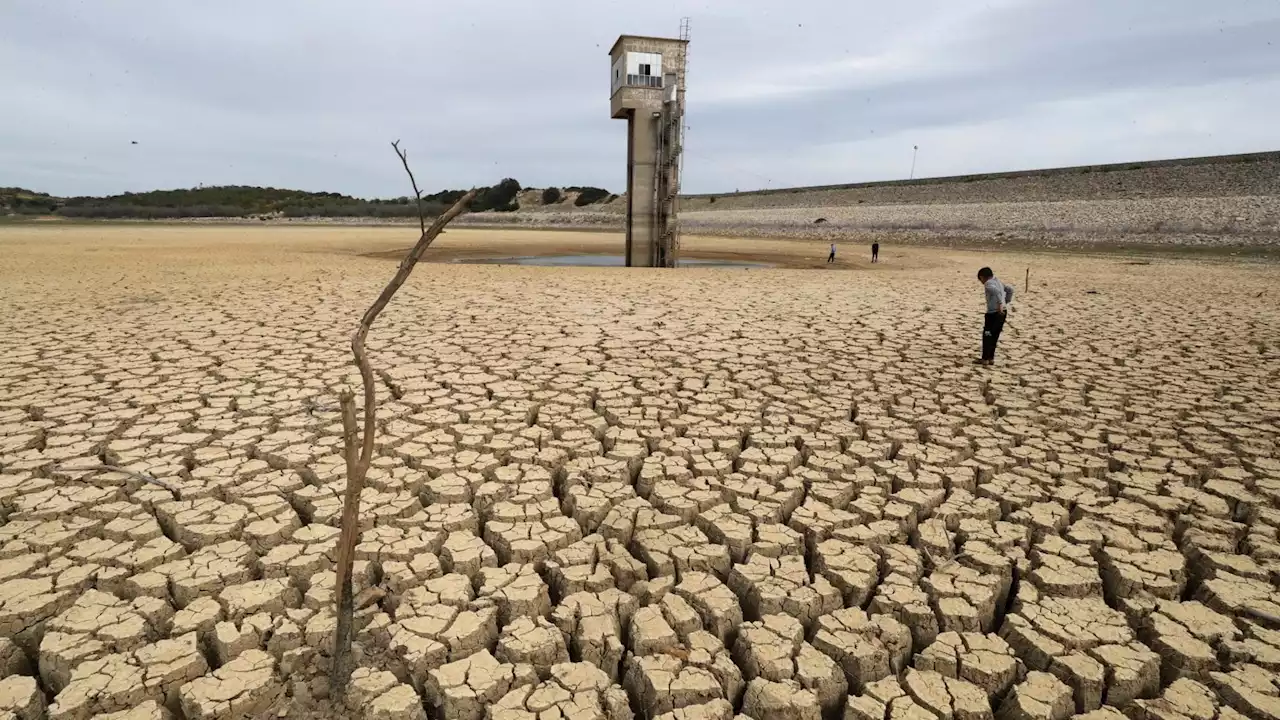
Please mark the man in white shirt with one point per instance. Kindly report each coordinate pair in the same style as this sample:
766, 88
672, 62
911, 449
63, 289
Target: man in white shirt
998, 296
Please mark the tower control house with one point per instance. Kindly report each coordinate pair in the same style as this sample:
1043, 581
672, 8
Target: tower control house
647, 89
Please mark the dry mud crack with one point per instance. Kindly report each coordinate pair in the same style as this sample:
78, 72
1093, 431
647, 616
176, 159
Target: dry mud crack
775, 495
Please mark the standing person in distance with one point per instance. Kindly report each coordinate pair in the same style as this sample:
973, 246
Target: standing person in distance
998, 296
875, 252
832, 257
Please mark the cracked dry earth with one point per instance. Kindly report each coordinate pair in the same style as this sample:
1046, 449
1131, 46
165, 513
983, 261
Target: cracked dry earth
780, 495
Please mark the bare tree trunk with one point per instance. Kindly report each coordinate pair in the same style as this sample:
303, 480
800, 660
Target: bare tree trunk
358, 451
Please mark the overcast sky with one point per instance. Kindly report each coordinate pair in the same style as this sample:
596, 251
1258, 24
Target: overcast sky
307, 93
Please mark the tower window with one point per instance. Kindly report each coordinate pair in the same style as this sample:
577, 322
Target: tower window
645, 69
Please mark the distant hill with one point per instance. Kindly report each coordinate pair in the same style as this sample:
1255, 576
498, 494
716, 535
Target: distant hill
248, 201
1254, 174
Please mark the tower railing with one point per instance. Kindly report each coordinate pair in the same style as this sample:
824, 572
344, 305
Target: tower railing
644, 81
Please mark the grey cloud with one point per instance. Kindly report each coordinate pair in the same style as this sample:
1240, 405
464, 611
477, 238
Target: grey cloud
307, 94
1001, 86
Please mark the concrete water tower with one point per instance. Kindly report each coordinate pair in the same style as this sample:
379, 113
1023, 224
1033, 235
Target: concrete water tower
647, 89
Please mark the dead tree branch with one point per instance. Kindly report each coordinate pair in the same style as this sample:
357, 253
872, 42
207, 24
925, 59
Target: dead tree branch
417, 194
358, 442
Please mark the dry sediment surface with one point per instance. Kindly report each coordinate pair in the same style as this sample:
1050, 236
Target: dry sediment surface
602, 493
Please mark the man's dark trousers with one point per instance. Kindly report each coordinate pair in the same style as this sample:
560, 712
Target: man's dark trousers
992, 325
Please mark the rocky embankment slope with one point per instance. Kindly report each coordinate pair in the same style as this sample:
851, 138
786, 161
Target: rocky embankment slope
1218, 201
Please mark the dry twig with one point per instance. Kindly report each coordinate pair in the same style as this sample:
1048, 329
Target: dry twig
358, 460
1259, 614
116, 468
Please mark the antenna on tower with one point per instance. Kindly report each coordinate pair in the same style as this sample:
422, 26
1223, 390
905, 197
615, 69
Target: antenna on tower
683, 138
684, 35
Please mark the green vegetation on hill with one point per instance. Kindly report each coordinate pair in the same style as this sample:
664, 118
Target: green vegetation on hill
26, 202
228, 201
247, 201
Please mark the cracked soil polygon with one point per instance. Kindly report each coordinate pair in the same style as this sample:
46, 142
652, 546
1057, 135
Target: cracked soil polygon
464, 689
572, 690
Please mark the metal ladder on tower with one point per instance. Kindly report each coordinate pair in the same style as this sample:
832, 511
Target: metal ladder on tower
669, 149
667, 187
661, 218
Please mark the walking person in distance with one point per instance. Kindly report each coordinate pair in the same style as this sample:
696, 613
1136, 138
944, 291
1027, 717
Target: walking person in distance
998, 296
875, 252
832, 257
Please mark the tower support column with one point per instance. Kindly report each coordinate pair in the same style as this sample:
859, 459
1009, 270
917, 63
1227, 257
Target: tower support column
641, 174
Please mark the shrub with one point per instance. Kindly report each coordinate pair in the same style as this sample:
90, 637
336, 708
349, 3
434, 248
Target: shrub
500, 197
589, 195
551, 196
